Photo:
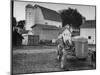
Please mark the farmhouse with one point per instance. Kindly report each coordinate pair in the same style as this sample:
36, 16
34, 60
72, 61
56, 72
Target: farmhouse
40, 15
88, 30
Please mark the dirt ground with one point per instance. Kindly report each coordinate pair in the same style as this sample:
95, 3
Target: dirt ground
41, 59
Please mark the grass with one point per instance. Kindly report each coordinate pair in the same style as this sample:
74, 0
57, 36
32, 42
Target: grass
32, 63
42, 62
34, 47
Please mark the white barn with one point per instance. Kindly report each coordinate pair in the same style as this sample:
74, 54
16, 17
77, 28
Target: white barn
41, 22
40, 15
88, 30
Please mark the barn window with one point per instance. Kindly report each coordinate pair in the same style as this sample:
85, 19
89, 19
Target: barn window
89, 37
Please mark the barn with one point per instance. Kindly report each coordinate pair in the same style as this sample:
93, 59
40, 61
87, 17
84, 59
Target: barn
41, 15
42, 22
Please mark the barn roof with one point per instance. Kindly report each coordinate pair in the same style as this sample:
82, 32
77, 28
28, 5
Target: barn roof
29, 6
48, 14
89, 24
45, 27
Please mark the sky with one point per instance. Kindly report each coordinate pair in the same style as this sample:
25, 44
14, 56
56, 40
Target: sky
87, 11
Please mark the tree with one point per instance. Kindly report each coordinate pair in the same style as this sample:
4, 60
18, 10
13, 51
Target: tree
71, 16
14, 22
21, 23
16, 36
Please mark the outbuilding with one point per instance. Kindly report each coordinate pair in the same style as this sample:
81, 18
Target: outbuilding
88, 30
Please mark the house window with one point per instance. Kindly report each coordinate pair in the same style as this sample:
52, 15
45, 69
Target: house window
89, 37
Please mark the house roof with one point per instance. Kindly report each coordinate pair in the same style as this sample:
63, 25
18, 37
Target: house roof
45, 27
47, 13
89, 24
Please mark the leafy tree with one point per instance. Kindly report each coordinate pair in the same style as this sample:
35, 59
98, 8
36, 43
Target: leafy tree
14, 22
16, 37
21, 24
71, 16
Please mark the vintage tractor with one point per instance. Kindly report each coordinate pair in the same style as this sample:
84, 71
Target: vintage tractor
72, 48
